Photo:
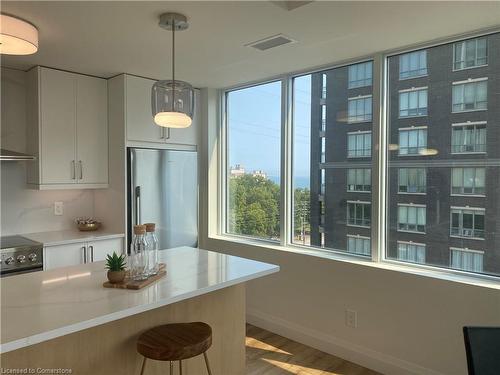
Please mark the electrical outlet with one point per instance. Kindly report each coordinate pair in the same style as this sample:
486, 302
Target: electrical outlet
58, 208
351, 318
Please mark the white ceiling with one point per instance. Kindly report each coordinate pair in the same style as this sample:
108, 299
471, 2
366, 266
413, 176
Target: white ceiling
108, 38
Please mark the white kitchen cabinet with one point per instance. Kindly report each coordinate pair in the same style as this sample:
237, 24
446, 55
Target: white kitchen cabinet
58, 127
139, 118
67, 130
92, 130
98, 250
80, 252
63, 255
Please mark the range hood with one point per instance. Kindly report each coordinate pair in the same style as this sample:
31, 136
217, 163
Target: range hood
7, 155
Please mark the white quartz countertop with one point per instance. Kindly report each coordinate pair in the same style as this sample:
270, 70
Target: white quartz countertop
43, 305
70, 236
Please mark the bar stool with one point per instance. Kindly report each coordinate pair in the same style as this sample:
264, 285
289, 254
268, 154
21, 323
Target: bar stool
175, 342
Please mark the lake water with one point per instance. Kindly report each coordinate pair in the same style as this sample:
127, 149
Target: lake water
298, 181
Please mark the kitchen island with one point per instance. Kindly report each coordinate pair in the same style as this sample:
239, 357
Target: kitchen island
64, 318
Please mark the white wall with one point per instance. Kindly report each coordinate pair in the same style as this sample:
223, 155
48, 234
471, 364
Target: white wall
407, 323
24, 210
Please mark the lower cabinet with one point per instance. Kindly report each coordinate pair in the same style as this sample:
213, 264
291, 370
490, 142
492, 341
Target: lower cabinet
97, 250
63, 255
80, 252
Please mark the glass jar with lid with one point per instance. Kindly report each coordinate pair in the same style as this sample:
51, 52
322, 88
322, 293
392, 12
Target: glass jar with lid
139, 254
152, 240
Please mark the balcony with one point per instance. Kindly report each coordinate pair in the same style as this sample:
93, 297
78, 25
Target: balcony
467, 232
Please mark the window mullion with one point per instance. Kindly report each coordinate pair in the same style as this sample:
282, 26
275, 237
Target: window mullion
378, 160
286, 163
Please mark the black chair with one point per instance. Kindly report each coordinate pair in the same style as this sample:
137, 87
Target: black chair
482, 345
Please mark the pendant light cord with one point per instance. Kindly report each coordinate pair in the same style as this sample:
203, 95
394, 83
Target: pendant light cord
173, 63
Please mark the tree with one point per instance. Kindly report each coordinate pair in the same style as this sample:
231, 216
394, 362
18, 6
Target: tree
254, 207
301, 198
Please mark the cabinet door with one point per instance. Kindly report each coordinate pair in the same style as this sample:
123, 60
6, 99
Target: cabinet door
97, 250
92, 130
187, 136
140, 124
64, 255
58, 127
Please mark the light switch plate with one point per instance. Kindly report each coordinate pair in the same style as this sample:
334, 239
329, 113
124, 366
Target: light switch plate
58, 208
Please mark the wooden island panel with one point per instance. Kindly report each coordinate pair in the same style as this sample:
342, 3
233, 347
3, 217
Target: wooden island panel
111, 348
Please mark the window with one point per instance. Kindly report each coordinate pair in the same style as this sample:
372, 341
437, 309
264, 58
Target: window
468, 138
359, 180
412, 141
411, 218
359, 144
436, 175
467, 222
358, 245
323, 86
466, 260
443, 168
412, 180
253, 120
360, 75
471, 95
323, 150
323, 181
411, 252
323, 118
359, 109
468, 181
359, 213
413, 64
470, 53
413, 102
320, 188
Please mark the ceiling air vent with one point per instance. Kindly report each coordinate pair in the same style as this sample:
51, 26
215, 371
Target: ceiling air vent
271, 42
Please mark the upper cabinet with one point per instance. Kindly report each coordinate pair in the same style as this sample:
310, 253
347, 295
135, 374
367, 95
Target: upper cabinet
67, 130
140, 127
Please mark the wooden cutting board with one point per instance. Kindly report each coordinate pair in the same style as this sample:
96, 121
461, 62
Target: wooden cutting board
128, 283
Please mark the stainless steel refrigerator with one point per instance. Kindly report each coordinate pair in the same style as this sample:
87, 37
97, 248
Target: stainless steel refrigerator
163, 189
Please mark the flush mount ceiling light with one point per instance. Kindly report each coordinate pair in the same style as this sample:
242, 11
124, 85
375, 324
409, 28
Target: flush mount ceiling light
172, 101
17, 37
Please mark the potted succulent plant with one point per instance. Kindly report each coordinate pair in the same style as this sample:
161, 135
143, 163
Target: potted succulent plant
115, 264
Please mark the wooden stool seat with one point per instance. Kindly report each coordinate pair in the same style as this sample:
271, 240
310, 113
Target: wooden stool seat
175, 342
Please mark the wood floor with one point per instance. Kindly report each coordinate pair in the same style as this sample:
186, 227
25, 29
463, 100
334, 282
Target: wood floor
271, 354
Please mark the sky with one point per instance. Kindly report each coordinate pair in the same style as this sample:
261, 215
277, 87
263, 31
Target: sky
254, 129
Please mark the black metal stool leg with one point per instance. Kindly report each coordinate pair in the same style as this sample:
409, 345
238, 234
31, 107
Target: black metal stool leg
180, 367
143, 365
206, 362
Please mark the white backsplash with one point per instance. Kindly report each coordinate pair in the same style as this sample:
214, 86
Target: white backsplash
25, 210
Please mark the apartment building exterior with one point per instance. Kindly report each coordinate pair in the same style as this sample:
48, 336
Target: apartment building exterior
443, 161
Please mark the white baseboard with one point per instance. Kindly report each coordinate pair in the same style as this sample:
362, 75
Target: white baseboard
365, 357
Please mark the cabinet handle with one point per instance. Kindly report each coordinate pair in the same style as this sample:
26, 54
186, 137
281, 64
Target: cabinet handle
81, 169
91, 253
84, 248
73, 170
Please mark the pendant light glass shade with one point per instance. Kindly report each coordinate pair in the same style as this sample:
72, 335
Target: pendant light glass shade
17, 37
172, 103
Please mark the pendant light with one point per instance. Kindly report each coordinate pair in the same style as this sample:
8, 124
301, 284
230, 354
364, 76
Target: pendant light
172, 101
17, 37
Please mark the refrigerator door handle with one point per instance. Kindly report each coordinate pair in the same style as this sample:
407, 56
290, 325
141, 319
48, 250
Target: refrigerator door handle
137, 205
